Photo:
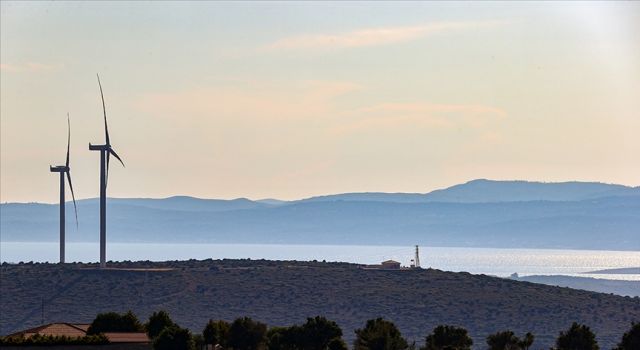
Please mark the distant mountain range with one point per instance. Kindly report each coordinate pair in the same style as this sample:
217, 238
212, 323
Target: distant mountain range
479, 213
488, 191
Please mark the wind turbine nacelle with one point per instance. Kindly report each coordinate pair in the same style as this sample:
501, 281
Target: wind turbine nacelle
98, 147
58, 169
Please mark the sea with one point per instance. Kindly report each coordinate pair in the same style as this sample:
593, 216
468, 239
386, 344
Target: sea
489, 261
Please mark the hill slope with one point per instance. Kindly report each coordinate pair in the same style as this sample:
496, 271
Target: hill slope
283, 293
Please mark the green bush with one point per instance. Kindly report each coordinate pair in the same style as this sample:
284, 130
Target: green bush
247, 334
507, 340
114, 322
174, 338
379, 334
449, 338
157, 322
337, 344
283, 338
216, 332
317, 333
577, 337
49, 340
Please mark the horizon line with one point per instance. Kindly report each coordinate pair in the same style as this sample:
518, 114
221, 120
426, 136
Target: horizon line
331, 194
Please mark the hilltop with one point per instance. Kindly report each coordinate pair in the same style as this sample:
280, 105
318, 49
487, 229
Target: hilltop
285, 292
480, 213
492, 191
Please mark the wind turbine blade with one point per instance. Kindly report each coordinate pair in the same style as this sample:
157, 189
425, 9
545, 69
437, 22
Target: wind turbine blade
104, 112
116, 155
68, 139
75, 208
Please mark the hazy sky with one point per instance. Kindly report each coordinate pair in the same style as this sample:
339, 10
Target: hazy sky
290, 100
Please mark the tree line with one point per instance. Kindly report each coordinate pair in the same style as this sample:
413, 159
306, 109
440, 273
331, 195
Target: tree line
316, 333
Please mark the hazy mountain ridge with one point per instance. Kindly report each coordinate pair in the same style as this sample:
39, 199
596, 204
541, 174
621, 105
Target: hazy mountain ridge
459, 219
489, 191
186, 203
598, 223
474, 191
483, 190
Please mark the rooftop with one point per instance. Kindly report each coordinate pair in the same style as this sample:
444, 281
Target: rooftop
80, 330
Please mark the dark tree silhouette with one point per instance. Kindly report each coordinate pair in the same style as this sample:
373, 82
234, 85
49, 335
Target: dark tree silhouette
337, 344
216, 332
157, 322
114, 322
526, 342
578, 337
198, 341
317, 332
446, 337
379, 334
504, 340
247, 334
174, 338
631, 338
283, 338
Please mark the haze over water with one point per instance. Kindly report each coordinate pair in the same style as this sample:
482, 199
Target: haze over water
490, 261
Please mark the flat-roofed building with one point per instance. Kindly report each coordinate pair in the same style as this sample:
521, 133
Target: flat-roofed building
385, 265
390, 265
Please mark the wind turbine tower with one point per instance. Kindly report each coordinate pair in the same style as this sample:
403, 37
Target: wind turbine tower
105, 152
64, 169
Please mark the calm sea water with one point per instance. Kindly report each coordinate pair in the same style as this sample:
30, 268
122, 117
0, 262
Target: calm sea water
498, 262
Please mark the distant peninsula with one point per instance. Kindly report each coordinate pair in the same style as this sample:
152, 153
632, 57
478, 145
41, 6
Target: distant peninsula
619, 287
620, 271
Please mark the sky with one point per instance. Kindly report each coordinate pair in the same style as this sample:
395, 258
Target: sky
290, 100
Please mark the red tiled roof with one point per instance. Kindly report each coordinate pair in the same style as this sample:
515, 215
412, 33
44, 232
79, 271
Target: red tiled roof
80, 330
65, 329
